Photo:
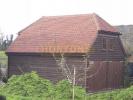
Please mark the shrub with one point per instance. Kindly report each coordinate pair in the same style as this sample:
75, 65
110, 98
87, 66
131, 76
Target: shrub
123, 94
32, 87
29, 84
64, 91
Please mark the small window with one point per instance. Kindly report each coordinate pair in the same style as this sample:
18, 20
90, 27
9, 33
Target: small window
111, 44
104, 43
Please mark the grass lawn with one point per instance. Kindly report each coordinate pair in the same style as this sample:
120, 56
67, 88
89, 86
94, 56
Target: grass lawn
2, 54
3, 59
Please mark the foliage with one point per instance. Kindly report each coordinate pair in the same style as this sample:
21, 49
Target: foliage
29, 84
3, 66
123, 94
3, 59
2, 54
64, 91
15, 97
32, 87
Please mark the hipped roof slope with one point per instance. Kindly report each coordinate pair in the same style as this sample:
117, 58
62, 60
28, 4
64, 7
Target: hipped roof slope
60, 34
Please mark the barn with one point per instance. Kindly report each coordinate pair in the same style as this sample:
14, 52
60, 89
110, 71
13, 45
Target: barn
84, 48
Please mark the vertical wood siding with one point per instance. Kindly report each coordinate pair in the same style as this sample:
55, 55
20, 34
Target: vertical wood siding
45, 66
98, 53
105, 75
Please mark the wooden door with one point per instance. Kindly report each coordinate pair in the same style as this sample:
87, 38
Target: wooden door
103, 75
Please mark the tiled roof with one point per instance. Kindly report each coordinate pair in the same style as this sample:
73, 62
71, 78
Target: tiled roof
68, 34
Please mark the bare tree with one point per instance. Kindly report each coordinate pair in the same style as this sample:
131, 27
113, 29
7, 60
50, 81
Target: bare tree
5, 41
61, 62
1, 40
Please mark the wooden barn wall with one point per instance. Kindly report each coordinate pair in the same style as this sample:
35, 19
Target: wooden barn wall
105, 75
98, 53
100, 75
46, 66
79, 64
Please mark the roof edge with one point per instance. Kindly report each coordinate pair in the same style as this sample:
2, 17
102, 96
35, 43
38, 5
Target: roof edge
29, 25
108, 32
69, 15
96, 21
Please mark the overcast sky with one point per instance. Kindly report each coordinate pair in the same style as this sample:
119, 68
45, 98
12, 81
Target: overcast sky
17, 14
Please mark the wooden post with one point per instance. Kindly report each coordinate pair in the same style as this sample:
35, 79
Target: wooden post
86, 65
74, 72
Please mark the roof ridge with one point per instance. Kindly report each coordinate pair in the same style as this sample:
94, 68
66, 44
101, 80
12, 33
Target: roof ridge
71, 15
96, 20
94, 15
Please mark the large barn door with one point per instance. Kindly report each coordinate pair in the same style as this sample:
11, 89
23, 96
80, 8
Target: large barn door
104, 75
96, 76
115, 74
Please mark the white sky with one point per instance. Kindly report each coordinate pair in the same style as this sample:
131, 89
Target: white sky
17, 14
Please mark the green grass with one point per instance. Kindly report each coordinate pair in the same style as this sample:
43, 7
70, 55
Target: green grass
3, 59
2, 54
